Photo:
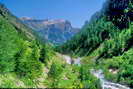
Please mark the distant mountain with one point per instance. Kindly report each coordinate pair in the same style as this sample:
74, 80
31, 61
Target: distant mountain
54, 31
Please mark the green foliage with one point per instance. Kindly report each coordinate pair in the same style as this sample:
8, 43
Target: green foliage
7, 84
47, 54
42, 55
88, 80
11, 80
17, 54
28, 64
109, 38
90, 38
55, 70
123, 64
103, 38
118, 44
28, 82
72, 76
10, 44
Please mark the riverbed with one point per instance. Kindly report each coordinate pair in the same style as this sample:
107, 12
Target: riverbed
105, 84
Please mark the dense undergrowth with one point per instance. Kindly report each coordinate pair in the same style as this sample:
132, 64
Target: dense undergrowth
119, 69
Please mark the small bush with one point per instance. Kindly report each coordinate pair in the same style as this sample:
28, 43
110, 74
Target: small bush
55, 70
28, 64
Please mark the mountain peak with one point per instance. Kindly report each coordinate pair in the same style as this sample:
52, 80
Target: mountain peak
26, 18
46, 21
54, 30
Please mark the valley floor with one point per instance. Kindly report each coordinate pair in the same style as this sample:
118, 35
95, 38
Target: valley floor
12, 81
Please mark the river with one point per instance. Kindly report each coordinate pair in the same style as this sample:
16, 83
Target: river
97, 73
105, 83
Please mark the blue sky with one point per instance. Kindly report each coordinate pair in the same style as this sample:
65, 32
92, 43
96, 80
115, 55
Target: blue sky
76, 11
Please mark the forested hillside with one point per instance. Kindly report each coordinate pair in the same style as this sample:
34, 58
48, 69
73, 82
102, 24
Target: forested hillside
19, 51
107, 39
105, 43
27, 62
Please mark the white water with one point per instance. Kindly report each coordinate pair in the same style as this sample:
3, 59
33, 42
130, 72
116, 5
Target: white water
97, 73
67, 59
70, 60
106, 84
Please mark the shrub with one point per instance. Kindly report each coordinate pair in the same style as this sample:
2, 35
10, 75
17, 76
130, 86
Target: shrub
55, 70
28, 64
87, 79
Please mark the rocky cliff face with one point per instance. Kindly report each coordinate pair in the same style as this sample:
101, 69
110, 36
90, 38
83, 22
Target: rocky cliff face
54, 31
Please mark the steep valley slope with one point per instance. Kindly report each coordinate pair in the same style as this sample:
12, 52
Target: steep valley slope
107, 40
27, 62
105, 43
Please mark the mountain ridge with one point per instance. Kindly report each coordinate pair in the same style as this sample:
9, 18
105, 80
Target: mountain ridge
56, 31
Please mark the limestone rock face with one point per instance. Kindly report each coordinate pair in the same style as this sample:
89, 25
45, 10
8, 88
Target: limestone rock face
54, 31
